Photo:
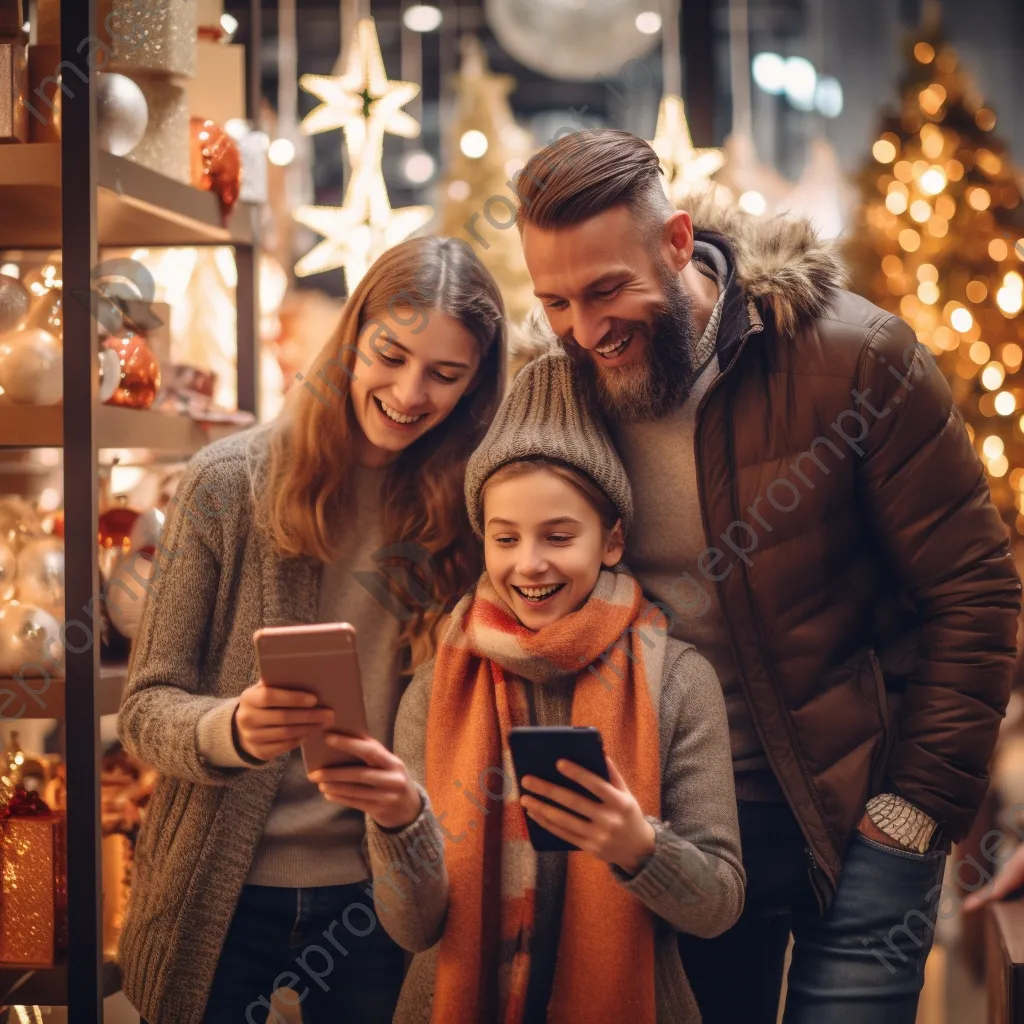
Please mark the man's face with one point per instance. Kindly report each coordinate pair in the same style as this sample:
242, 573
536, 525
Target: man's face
619, 309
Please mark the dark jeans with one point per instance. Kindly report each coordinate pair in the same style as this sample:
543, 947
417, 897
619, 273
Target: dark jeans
862, 962
324, 943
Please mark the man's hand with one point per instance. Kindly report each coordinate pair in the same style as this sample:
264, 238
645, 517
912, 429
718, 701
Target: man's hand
270, 720
613, 830
1010, 878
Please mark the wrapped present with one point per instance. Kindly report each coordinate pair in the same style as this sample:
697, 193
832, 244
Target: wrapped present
217, 93
165, 146
13, 92
158, 39
33, 882
118, 853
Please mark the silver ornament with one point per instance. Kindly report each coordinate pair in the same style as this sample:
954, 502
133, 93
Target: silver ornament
40, 578
18, 521
8, 570
14, 303
127, 591
31, 367
121, 113
30, 644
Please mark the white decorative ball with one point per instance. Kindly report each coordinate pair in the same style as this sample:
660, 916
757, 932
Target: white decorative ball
121, 113
31, 367
18, 522
126, 592
147, 529
40, 578
14, 303
30, 642
8, 571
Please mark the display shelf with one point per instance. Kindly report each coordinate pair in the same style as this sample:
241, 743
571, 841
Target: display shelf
35, 698
47, 986
135, 206
41, 426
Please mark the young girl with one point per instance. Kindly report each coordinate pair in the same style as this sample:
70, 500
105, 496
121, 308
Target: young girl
553, 635
243, 870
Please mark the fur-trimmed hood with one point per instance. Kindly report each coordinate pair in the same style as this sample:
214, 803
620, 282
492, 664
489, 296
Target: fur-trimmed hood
780, 263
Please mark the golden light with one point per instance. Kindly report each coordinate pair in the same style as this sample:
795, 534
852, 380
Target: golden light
977, 291
928, 292
946, 340
1014, 281
945, 206
970, 432
896, 202
998, 250
987, 405
903, 170
985, 119
473, 144
992, 446
924, 52
686, 168
892, 264
932, 98
1016, 475
928, 272
910, 240
884, 151
980, 353
938, 227
992, 377
1012, 355
1006, 404
1009, 300
920, 210
979, 198
933, 181
909, 307
999, 465
954, 170
988, 162
961, 319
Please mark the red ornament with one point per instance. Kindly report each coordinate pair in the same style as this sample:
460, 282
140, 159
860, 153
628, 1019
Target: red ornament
116, 528
139, 371
24, 804
216, 164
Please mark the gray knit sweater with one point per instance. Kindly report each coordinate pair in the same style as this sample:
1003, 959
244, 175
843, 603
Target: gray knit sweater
219, 580
694, 882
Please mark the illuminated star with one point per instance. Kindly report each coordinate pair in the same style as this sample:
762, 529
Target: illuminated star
686, 169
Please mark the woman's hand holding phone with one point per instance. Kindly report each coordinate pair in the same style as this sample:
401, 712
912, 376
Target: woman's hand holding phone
270, 720
614, 829
380, 787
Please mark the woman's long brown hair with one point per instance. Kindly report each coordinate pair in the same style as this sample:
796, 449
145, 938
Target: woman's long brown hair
312, 452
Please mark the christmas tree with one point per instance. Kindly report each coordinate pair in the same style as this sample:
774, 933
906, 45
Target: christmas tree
939, 242
486, 149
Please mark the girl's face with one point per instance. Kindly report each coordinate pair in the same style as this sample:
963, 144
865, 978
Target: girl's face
544, 545
410, 372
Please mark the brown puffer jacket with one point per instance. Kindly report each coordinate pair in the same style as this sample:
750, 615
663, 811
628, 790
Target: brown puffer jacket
864, 568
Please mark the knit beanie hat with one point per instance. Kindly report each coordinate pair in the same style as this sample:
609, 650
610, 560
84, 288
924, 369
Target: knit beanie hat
544, 415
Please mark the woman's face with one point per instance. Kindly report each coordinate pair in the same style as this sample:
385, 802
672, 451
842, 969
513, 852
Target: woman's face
544, 545
410, 372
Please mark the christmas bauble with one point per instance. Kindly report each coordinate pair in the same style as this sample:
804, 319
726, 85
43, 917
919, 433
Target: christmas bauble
41, 574
14, 303
138, 372
46, 286
8, 570
115, 534
121, 113
126, 593
216, 164
30, 642
147, 529
18, 522
31, 367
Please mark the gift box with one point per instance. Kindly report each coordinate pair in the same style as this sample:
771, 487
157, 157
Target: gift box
217, 93
33, 883
117, 852
13, 92
45, 92
165, 146
158, 40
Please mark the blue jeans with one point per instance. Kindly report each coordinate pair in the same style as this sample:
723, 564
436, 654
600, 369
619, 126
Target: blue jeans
324, 943
862, 962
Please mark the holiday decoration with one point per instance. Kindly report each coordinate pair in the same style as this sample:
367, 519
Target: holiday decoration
18, 522
33, 882
121, 113
31, 368
488, 225
217, 93
940, 242
14, 303
8, 571
157, 38
30, 642
145, 533
46, 287
41, 574
126, 592
215, 163
164, 147
686, 169
365, 104
115, 526
14, 115
138, 373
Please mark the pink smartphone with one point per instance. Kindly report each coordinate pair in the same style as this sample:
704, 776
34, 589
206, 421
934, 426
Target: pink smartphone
320, 659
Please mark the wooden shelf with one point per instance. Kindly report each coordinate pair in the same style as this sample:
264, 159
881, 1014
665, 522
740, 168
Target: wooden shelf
42, 426
28, 702
136, 206
47, 986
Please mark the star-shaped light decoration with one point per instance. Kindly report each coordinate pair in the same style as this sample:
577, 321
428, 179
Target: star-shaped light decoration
686, 169
365, 104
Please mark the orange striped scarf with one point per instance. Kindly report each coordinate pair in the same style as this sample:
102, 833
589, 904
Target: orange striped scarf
605, 967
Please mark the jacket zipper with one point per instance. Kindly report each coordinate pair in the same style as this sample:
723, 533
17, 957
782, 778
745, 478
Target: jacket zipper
815, 869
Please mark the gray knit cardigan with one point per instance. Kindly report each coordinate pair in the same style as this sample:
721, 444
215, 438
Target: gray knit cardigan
218, 581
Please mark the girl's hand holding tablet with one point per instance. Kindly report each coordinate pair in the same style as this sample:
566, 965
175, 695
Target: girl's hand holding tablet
271, 720
380, 787
613, 829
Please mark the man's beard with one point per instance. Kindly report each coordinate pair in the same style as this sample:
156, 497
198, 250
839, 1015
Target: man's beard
649, 388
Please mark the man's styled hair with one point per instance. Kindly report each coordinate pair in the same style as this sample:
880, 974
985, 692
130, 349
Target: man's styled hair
588, 172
